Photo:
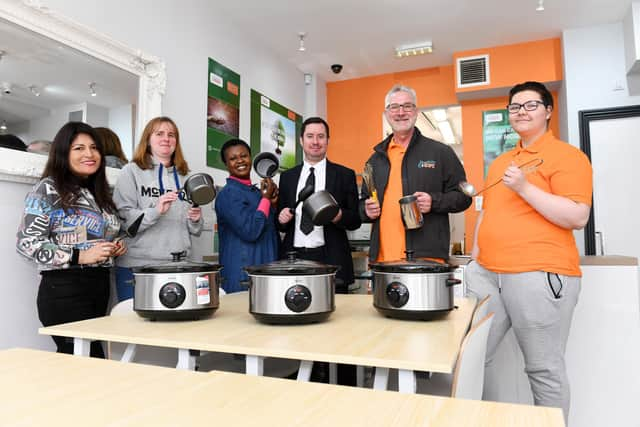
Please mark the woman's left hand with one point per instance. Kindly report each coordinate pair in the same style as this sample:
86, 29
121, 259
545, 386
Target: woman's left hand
194, 214
119, 249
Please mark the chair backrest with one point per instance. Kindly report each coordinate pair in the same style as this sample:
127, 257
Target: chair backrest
468, 376
481, 310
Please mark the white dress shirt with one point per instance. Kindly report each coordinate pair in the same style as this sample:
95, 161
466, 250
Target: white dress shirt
314, 239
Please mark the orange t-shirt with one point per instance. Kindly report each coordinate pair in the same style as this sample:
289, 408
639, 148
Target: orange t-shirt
392, 233
513, 237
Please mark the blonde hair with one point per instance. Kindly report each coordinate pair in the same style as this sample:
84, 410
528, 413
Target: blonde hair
142, 156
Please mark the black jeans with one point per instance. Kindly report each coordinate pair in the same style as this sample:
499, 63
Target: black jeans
70, 295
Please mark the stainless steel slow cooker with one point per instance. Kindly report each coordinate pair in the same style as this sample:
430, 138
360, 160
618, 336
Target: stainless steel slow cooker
292, 291
176, 290
413, 289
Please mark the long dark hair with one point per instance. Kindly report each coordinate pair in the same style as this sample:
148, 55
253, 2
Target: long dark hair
66, 182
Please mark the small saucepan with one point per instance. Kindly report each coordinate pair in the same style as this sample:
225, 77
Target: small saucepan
199, 189
321, 207
266, 164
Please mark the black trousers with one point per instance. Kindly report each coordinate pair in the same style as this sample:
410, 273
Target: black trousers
70, 295
320, 370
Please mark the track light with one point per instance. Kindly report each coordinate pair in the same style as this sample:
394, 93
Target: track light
3, 126
301, 47
414, 49
34, 90
540, 7
92, 89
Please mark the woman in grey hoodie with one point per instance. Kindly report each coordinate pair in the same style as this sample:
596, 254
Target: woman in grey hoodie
151, 184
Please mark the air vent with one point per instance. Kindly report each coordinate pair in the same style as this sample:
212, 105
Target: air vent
473, 71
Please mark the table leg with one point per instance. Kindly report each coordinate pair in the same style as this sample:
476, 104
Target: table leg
186, 360
304, 370
381, 379
129, 353
81, 347
406, 381
255, 365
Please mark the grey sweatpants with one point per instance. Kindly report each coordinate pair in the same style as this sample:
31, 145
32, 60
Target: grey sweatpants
539, 307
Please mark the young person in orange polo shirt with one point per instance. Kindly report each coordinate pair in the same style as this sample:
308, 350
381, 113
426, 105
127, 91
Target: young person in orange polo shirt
524, 252
408, 163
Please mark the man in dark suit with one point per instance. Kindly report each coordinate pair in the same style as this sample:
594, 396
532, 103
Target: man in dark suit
327, 244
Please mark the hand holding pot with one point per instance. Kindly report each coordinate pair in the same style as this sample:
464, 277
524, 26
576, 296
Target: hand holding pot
338, 217
194, 214
372, 208
120, 248
424, 201
268, 188
165, 201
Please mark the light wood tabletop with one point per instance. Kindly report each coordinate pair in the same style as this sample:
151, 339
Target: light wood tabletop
42, 388
355, 333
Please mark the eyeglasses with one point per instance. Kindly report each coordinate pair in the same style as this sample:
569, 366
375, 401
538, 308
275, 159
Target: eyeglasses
408, 107
528, 106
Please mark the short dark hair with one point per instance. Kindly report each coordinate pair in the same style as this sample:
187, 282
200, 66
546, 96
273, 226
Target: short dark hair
231, 143
538, 87
312, 120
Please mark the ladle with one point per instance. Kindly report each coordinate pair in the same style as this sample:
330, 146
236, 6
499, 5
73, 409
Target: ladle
302, 196
467, 188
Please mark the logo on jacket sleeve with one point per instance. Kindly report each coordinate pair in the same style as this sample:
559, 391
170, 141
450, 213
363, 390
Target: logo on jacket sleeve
428, 164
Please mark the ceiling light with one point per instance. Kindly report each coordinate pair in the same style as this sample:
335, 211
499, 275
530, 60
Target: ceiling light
414, 49
540, 7
3, 126
301, 47
92, 89
447, 132
440, 115
34, 90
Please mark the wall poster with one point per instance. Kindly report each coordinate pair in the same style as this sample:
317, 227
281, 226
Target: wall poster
223, 110
497, 135
276, 129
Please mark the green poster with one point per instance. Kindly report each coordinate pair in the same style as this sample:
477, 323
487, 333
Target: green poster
223, 110
497, 135
276, 129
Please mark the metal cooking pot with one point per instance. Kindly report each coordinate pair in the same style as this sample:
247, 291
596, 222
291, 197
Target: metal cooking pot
266, 164
321, 207
413, 289
410, 212
199, 189
176, 290
292, 291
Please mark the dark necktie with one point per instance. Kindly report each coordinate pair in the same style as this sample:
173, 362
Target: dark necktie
306, 225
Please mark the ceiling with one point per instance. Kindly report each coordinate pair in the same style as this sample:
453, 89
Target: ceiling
61, 75
362, 34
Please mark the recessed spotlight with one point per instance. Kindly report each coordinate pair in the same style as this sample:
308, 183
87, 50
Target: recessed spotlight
301, 36
92, 89
540, 7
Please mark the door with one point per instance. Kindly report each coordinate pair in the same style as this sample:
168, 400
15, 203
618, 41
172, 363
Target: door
615, 156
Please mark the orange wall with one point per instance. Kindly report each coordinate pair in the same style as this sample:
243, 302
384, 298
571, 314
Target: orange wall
354, 107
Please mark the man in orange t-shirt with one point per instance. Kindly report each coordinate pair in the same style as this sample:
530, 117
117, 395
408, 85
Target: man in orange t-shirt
525, 256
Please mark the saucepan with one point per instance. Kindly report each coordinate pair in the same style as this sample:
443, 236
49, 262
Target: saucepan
321, 207
199, 189
266, 164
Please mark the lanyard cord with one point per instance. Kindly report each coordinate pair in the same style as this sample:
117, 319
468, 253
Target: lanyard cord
175, 177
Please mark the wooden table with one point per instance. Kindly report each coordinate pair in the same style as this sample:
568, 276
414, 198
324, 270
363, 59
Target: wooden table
355, 334
48, 389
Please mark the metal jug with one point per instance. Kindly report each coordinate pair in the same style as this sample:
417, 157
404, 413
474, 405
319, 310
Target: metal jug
410, 213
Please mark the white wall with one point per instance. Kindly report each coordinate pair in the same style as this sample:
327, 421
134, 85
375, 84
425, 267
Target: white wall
121, 121
184, 35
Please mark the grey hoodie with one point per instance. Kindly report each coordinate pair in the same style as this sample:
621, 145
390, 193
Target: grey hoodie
137, 192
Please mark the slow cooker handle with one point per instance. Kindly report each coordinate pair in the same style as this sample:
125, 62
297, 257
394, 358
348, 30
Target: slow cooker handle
451, 281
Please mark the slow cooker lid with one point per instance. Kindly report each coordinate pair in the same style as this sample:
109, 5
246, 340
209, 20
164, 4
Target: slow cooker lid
410, 265
177, 265
292, 266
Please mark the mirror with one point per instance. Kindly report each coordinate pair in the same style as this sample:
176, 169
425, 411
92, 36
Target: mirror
53, 70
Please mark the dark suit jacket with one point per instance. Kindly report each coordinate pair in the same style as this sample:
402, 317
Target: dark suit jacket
341, 183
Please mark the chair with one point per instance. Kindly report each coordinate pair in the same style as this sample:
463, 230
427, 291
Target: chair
468, 376
481, 311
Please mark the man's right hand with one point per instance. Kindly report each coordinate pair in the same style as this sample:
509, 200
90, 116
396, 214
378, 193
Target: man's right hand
285, 216
372, 208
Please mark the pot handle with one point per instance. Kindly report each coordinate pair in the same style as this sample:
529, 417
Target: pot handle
451, 281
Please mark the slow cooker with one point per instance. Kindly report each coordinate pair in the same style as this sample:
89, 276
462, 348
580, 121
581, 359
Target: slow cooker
176, 290
292, 291
413, 289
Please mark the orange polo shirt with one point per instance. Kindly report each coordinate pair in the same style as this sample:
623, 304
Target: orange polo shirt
392, 234
514, 237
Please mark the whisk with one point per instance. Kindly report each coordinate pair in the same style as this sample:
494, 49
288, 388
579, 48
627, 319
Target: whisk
367, 177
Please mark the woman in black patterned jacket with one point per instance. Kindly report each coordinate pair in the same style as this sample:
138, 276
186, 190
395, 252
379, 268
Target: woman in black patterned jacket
67, 229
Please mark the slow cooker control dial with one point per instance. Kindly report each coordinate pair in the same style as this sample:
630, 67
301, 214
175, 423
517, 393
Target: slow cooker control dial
397, 294
172, 294
297, 298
